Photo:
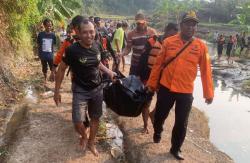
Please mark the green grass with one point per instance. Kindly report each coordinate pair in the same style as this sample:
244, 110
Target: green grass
102, 130
218, 24
246, 84
234, 27
3, 152
117, 17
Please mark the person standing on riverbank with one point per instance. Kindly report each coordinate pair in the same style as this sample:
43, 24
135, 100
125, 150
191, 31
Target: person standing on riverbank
84, 58
229, 48
234, 39
174, 78
220, 44
216, 35
243, 44
136, 41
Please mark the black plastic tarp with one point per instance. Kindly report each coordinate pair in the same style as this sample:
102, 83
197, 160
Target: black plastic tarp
126, 96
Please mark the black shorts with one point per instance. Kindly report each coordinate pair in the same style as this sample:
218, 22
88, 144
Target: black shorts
45, 64
87, 104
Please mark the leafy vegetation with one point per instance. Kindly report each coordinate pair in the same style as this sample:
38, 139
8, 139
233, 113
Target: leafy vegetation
21, 15
58, 9
118, 7
175, 8
25, 15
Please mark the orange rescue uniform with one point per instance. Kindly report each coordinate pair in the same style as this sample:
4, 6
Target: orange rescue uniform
180, 74
58, 57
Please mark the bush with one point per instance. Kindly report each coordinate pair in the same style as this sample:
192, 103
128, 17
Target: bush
22, 16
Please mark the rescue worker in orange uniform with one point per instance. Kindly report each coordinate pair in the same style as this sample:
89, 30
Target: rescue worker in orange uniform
177, 80
148, 59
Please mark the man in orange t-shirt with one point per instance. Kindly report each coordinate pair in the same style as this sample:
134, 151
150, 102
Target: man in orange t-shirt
177, 80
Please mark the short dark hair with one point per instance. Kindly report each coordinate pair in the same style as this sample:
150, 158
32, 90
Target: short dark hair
85, 22
46, 21
97, 19
76, 21
124, 24
118, 25
171, 26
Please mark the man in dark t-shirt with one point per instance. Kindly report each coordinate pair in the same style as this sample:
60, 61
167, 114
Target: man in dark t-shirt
46, 41
84, 65
84, 59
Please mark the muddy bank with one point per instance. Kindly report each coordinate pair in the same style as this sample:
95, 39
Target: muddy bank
236, 75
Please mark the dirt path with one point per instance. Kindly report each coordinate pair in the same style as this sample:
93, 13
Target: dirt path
48, 136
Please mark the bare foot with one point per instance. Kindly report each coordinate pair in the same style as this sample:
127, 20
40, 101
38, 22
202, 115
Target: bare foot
83, 143
145, 130
93, 149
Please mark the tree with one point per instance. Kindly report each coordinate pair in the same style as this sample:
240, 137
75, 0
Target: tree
58, 9
244, 15
175, 8
164, 7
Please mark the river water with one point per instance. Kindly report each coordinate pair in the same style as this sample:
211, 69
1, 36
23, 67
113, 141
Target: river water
229, 118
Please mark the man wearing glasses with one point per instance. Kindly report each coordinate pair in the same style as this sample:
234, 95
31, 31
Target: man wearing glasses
136, 41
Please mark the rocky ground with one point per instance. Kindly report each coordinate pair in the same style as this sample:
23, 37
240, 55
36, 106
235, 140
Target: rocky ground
235, 75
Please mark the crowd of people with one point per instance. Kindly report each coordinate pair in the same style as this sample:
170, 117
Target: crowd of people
166, 64
231, 43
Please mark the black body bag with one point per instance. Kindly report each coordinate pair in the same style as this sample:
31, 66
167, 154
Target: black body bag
126, 96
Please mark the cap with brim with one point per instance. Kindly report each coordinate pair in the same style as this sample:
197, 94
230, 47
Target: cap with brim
190, 19
190, 16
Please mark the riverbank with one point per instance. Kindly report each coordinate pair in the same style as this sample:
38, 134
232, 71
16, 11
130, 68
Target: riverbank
235, 75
